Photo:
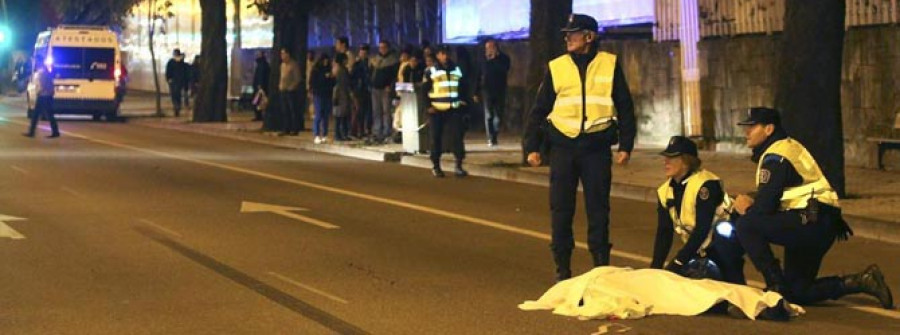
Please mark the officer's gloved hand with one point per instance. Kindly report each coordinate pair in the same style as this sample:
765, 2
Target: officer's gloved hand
675, 267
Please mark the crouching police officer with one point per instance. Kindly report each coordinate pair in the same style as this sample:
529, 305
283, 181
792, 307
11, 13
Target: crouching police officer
797, 208
582, 95
691, 202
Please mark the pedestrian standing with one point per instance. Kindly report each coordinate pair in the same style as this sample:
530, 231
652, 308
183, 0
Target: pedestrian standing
322, 87
795, 207
384, 73
582, 108
177, 75
361, 117
491, 90
260, 80
44, 105
445, 108
342, 101
288, 86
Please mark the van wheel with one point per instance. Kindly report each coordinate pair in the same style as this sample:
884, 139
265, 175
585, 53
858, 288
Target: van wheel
111, 117
95, 117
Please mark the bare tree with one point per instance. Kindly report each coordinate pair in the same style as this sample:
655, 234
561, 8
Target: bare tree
212, 92
291, 26
158, 15
809, 85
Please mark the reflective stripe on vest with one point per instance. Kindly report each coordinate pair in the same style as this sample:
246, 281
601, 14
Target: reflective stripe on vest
444, 92
814, 181
595, 102
685, 224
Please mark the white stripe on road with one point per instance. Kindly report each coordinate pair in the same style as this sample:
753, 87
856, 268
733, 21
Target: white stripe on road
71, 191
18, 169
160, 227
308, 288
407, 205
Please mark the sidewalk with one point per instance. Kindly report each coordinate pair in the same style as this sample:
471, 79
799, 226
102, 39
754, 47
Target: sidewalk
872, 208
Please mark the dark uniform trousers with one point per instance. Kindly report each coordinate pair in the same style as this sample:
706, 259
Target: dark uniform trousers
43, 107
804, 247
593, 167
728, 255
450, 120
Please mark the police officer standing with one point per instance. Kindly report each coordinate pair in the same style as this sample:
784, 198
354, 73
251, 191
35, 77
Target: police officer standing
444, 100
795, 207
691, 202
578, 104
43, 81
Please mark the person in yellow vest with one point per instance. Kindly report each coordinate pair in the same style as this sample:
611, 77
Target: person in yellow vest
445, 100
795, 207
694, 204
582, 108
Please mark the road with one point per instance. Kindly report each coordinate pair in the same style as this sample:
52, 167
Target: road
131, 230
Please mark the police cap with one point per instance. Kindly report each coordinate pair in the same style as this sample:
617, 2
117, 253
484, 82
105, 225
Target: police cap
761, 115
579, 22
680, 145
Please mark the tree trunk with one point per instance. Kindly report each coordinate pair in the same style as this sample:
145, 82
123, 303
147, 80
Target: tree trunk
212, 94
546, 42
809, 83
291, 25
237, 67
150, 33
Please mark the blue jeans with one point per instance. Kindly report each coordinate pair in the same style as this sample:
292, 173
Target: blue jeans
323, 113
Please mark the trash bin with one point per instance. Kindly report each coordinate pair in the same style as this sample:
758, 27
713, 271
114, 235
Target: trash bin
414, 118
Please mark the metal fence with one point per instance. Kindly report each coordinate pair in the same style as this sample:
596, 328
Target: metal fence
738, 17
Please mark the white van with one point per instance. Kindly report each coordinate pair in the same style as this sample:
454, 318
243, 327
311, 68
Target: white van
85, 64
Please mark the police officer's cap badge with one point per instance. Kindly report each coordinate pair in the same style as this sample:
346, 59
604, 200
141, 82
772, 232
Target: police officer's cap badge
764, 175
704, 193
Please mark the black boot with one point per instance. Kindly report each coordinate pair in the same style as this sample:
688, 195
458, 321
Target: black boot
601, 256
871, 282
779, 312
459, 171
563, 260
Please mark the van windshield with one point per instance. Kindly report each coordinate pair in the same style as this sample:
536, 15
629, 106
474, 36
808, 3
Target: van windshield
84, 63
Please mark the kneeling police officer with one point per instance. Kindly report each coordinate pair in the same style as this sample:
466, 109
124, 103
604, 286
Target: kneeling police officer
692, 202
795, 207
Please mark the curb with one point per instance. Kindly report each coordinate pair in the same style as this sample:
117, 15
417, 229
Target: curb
864, 227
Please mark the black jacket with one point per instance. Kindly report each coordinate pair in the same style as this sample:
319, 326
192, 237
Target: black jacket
705, 210
493, 76
178, 72
538, 128
261, 74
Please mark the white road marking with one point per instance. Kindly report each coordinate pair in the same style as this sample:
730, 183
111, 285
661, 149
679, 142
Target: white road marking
402, 204
160, 227
255, 207
18, 169
8, 232
71, 191
308, 288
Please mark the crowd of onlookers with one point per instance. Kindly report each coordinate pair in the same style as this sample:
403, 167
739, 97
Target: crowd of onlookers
357, 89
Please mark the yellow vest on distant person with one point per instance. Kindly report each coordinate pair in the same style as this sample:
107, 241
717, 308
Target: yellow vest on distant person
814, 182
444, 92
685, 223
595, 101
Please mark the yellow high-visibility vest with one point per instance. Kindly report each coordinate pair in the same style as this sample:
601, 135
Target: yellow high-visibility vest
685, 223
444, 92
595, 101
814, 182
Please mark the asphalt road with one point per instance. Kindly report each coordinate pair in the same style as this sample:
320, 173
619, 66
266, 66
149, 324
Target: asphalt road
133, 230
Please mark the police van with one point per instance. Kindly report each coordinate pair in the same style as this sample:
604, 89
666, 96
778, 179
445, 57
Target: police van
85, 64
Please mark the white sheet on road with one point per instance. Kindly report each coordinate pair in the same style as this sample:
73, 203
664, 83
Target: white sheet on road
625, 293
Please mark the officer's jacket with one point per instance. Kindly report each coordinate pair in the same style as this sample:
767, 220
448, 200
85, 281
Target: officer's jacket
792, 192
539, 131
689, 208
583, 106
443, 85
